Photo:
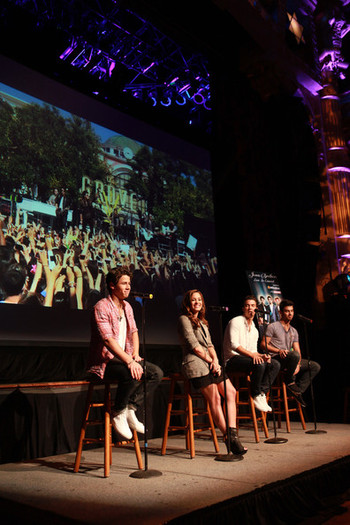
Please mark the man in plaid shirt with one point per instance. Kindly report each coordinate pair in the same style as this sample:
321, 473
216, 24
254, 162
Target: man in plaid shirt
114, 353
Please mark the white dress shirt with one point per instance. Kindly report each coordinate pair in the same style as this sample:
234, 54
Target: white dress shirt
239, 333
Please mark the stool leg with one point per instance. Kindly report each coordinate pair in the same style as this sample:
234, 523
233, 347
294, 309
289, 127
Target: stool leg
286, 408
279, 408
264, 424
253, 413
212, 428
190, 431
237, 407
167, 418
83, 428
107, 429
254, 418
301, 416
137, 449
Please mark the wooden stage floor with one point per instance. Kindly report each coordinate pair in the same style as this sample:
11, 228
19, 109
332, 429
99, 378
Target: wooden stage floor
189, 490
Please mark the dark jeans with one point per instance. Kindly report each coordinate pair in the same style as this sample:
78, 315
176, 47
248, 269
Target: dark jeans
262, 375
130, 391
302, 378
288, 365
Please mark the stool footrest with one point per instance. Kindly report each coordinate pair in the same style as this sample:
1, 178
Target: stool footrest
89, 441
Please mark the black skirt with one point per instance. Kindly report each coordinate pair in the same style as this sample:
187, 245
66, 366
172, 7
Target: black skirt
209, 379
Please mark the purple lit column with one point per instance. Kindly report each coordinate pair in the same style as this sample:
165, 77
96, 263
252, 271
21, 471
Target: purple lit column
338, 166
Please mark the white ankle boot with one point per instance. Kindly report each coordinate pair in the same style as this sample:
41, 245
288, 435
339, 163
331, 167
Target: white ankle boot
133, 422
120, 424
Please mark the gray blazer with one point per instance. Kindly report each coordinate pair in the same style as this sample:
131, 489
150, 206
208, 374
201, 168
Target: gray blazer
191, 337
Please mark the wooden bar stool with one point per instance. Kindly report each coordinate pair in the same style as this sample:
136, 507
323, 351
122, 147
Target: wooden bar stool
282, 400
187, 397
241, 382
107, 438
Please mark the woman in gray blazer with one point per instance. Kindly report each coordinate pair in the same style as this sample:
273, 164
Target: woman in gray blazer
201, 366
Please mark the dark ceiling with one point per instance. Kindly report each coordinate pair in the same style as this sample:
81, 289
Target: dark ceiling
153, 43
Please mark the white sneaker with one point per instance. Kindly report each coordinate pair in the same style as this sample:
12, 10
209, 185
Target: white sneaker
261, 404
133, 422
120, 424
268, 408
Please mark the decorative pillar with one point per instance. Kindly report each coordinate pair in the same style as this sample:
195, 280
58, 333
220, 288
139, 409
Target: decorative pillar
335, 152
337, 159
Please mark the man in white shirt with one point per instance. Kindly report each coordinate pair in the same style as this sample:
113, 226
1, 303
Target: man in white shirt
241, 354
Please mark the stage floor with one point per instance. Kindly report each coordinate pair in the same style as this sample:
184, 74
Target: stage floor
47, 491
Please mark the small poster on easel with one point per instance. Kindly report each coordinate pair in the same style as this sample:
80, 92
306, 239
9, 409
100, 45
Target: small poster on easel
266, 288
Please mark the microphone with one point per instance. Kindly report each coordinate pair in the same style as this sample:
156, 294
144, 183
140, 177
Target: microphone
305, 319
142, 295
218, 308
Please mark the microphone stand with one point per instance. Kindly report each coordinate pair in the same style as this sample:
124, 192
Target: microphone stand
315, 430
275, 440
145, 473
229, 457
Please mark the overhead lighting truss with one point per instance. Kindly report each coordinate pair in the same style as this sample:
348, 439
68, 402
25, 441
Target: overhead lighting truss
106, 39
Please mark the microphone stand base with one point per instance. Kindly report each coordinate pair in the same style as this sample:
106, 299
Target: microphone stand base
228, 457
140, 474
316, 432
276, 440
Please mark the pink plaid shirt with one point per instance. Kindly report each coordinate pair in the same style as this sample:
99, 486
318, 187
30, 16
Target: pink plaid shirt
104, 324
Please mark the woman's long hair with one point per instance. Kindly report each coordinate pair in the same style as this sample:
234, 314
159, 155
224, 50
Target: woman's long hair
186, 308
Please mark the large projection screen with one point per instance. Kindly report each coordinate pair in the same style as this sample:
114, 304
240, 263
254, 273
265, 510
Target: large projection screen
84, 188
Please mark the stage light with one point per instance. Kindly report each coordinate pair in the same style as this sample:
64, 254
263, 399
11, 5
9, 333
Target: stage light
166, 101
206, 105
103, 68
339, 168
180, 100
152, 97
69, 49
83, 59
173, 81
184, 88
198, 98
137, 94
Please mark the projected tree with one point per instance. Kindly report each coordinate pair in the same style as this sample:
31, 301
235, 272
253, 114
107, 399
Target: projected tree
172, 188
39, 146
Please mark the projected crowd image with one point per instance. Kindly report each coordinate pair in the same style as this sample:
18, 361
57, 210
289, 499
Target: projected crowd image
77, 199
